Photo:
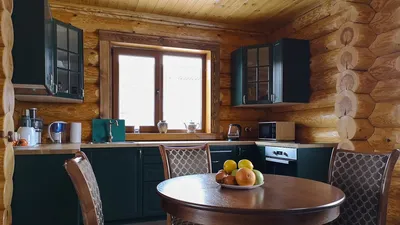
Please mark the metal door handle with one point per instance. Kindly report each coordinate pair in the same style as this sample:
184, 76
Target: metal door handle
223, 151
215, 161
140, 154
244, 99
273, 97
282, 161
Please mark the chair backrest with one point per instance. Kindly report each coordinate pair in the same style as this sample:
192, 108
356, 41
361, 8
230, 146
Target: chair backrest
365, 179
81, 173
180, 161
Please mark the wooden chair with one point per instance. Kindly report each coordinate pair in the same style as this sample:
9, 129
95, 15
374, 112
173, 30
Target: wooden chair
181, 161
81, 173
365, 179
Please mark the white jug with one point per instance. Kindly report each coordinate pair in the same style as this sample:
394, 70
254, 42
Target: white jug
29, 134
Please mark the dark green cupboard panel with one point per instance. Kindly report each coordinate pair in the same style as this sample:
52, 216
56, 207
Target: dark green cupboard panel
254, 154
43, 192
151, 200
117, 175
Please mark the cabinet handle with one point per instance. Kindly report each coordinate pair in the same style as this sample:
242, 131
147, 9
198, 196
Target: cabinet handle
215, 161
273, 97
140, 154
240, 151
244, 99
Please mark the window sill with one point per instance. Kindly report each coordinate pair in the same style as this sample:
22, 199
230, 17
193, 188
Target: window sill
171, 137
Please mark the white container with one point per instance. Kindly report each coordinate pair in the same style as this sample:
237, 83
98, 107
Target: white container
29, 134
76, 133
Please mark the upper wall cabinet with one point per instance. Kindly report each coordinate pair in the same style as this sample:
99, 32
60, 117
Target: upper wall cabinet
271, 74
48, 55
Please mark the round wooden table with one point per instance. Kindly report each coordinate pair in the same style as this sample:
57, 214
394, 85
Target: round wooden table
282, 200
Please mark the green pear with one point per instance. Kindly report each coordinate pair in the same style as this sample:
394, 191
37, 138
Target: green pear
234, 172
259, 177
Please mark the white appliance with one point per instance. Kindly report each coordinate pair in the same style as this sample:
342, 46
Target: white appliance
29, 134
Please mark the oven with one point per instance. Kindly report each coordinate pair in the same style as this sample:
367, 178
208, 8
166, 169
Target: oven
281, 161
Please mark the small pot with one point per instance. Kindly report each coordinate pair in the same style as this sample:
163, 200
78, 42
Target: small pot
162, 126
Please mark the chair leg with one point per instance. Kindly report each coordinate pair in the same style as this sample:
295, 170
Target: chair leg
169, 220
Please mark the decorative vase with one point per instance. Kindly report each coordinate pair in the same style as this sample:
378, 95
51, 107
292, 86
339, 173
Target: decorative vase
162, 126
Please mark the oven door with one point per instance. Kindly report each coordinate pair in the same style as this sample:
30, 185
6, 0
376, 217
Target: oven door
281, 166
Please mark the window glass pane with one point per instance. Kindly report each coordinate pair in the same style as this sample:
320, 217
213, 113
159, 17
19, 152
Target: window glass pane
73, 62
62, 81
251, 74
251, 92
74, 79
73, 41
62, 59
263, 91
251, 57
182, 88
62, 37
264, 56
263, 74
136, 90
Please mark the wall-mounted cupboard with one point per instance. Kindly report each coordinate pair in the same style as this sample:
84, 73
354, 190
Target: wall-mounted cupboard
48, 55
271, 74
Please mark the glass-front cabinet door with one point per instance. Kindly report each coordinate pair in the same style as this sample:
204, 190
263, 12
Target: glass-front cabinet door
258, 70
68, 61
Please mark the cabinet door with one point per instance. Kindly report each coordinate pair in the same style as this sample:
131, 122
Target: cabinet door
258, 70
254, 154
68, 60
43, 192
219, 154
118, 178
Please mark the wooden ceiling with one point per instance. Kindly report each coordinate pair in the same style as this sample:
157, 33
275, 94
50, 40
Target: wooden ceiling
272, 12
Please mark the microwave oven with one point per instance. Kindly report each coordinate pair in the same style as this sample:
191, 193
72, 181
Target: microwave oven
276, 131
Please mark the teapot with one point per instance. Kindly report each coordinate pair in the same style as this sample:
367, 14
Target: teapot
191, 127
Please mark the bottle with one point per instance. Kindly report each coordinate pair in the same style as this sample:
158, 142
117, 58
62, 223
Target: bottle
25, 120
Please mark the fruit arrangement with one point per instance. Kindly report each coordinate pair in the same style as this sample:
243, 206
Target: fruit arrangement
242, 174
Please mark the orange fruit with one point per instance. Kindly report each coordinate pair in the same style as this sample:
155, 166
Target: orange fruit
22, 142
229, 166
230, 180
220, 177
245, 177
245, 163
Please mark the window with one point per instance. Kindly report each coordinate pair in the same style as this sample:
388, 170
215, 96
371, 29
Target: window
153, 85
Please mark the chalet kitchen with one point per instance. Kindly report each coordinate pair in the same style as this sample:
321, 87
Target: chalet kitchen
213, 112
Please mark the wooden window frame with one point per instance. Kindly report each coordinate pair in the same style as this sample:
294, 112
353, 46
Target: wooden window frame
111, 39
158, 85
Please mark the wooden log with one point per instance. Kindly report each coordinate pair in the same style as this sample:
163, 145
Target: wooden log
7, 5
6, 216
7, 96
322, 27
91, 75
92, 93
225, 96
91, 40
354, 12
355, 105
91, 57
245, 114
7, 64
225, 66
324, 73
6, 125
324, 44
325, 61
354, 58
225, 80
388, 18
7, 188
6, 29
86, 130
8, 162
358, 146
386, 114
324, 117
377, 5
386, 67
386, 90
384, 138
316, 135
386, 43
65, 112
318, 99
354, 34
225, 50
360, 1
354, 129
318, 83
355, 81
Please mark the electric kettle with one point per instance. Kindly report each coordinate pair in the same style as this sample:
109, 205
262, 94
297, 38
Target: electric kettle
56, 131
234, 132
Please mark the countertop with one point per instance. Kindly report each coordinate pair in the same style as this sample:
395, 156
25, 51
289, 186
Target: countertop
70, 148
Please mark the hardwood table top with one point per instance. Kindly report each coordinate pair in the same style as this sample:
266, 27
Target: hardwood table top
281, 200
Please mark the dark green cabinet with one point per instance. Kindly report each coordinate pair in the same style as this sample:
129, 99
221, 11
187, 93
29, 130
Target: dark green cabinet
47, 55
43, 192
117, 175
251, 152
271, 73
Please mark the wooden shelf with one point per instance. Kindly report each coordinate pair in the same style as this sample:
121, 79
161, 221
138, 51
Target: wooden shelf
171, 137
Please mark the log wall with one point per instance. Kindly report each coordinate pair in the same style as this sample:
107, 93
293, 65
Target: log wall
91, 23
355, 68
